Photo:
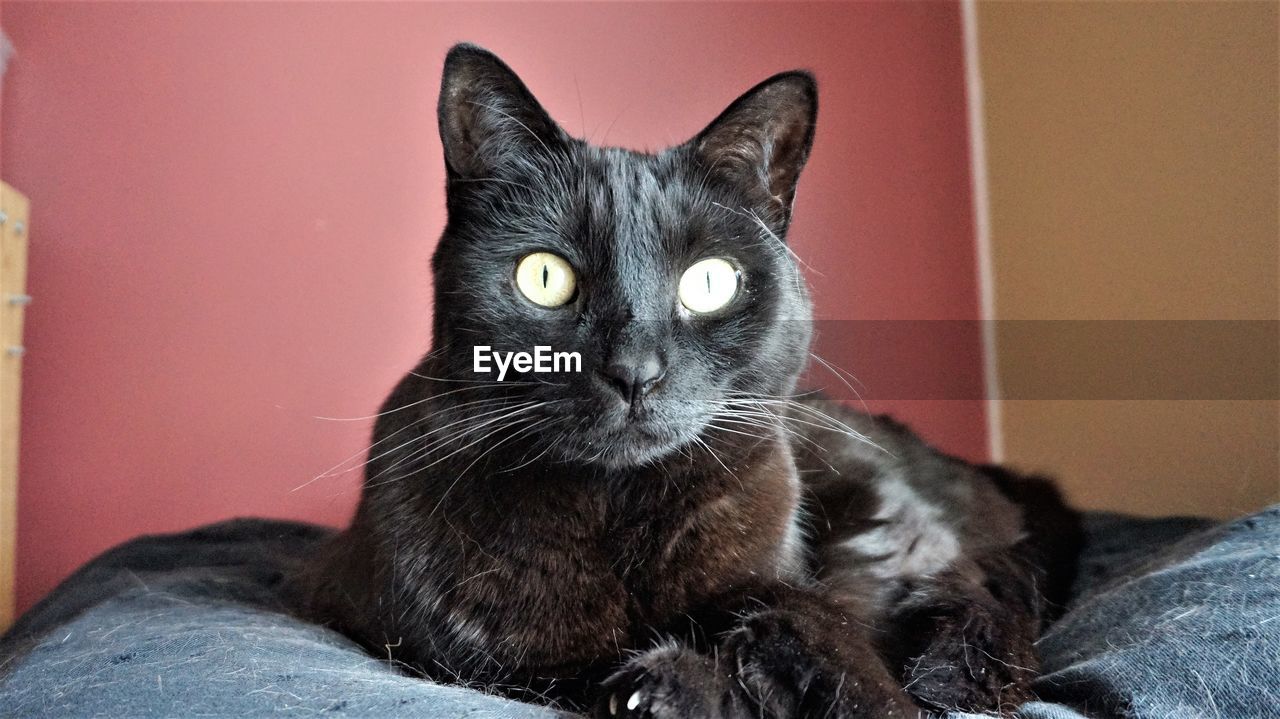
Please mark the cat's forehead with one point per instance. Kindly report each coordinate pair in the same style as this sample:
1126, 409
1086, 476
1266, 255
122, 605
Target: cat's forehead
608, 209
638, 176
639, 196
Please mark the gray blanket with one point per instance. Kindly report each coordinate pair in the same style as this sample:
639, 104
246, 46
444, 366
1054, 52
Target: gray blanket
1171, 618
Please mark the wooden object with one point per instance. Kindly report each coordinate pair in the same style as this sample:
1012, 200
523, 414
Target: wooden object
14, 214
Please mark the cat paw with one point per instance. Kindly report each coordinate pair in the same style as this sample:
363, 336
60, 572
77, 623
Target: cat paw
787, 667
774, 666
971, 664
670, 682
965, 677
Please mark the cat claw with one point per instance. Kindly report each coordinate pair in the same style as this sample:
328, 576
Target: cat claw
632, 705
668, 682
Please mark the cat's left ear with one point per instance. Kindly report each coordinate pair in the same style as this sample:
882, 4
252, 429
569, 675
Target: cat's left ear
762, 140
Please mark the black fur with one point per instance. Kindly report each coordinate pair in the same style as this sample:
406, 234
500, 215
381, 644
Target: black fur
717, 547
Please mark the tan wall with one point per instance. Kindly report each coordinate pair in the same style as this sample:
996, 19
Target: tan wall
1132, 161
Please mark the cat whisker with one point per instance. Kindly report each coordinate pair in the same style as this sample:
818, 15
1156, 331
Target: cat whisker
415, 403
810, 416
550, 445
760, 395
506, 404
466, 431
719, 428
464, 471
413, 470
702, 443
332, 471
838, 371
468, 428
768, 232
770, 423
840, 375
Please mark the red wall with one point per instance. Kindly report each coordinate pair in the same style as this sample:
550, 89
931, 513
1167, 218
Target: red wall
234, 207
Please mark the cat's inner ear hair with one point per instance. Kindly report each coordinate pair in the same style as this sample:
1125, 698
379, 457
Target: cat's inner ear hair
487, 116
762, 140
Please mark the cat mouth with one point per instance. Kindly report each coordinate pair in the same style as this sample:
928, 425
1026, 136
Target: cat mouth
630, 440
643, 438
619, 435
641, 429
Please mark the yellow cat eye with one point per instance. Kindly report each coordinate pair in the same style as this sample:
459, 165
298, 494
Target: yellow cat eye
708, 285
546, 279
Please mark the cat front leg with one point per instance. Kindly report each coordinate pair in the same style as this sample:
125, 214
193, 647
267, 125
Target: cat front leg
966, 637
796, 654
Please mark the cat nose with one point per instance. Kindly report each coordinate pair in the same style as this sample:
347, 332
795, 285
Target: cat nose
633, 378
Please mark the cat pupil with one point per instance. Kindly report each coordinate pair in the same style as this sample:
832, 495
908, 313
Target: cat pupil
708, 281
546, 274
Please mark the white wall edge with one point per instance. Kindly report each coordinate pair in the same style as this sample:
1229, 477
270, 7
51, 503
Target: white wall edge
982, 227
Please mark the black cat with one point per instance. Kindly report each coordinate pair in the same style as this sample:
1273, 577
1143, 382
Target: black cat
671, 531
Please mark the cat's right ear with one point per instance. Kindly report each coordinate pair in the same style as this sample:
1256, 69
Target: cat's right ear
761, 142
487, 115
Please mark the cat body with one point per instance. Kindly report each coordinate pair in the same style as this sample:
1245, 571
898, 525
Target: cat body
672, 531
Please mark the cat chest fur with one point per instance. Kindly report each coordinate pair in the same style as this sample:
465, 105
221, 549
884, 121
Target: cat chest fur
565, 571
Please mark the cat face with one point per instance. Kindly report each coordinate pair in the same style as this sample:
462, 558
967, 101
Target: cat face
667, 273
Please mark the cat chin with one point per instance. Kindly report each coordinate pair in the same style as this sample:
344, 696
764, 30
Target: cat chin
630, 449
